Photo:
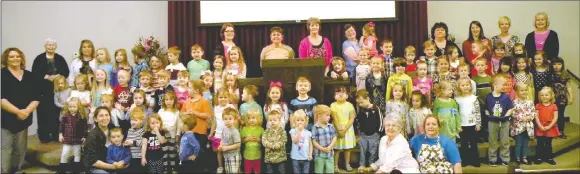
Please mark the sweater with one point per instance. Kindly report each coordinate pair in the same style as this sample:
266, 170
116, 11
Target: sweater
118, 153
60, 97
40, 69
306, 47
136, 135
551, 46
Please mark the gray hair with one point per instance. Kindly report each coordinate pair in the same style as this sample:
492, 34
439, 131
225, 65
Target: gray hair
392, 118
50, 40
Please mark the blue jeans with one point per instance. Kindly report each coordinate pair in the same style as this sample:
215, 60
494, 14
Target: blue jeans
522, 145
300, 166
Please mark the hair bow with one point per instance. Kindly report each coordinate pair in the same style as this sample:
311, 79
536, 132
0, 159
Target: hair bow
371, 24
276, 84
205, 72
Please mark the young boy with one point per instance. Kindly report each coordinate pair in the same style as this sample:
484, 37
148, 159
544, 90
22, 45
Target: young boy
323, 139
483, 85
370, 122
140, 64
463, 70
117, 155
201, 110
145, 85
174, 65
363, 69
400, 78
123, 95
303, 101
163, 81
498, 54
231, 142
430, 58
387, 48
249, 94
410, 57
197, 64
133, 141
498, 111
188, 146
274, 140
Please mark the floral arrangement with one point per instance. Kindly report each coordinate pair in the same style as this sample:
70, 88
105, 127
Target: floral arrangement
151, 47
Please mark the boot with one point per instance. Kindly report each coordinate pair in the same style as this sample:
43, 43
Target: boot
62, 168
77, 167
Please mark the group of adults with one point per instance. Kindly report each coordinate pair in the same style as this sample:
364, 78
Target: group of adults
24, 91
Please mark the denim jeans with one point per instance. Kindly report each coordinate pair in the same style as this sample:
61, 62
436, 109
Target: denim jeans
522, 145
275, 167
300, 166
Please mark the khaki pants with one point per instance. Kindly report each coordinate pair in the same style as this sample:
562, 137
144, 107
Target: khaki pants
13, 150
500, 129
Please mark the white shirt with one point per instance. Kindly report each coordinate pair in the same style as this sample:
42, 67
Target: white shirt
170, 121
362, 71
396, 156
178, 67
75, 68
219, 120
466, 107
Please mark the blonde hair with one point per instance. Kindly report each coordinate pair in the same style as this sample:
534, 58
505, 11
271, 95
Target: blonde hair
240, 60
519, 86
196, 84
299, 114
137, 113
196, 47
84, 78
320, 109
542, 14
86, 41
163, 74
174, 50
504, 18
158, 118
303, 79
183, 73
428, 44
550, 91
58, 79
189, 121
254, 113
107, 97
80, 110
107, 56
95, 86
458, 88
123, 62
410, 49
369, 31
440, 86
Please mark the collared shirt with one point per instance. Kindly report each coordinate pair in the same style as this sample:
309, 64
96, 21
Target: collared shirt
323, 136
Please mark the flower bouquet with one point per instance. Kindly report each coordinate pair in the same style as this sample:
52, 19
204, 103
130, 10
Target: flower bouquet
151, 46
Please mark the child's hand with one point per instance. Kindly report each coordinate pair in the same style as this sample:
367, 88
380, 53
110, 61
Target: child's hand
310, 158
119, 106
345, 75
333, 75
155, 131
83, 140
192, 157
128, 143
477, 128
143, 161
60, 138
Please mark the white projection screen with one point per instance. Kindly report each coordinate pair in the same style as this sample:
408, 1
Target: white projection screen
277, 12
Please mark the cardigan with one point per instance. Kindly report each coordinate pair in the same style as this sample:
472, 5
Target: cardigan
40, 69
551, 47
306, 47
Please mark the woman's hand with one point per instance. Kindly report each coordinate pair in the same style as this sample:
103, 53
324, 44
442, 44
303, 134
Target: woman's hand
22, 114
477, 128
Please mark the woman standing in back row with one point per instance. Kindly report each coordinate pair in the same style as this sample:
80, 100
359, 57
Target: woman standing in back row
542, 38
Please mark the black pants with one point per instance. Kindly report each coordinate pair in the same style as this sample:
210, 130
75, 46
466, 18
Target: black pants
483, 132
47, 114
206, 160
276, 167
135, 166
561, 118
189, 167
544, 148
469, 140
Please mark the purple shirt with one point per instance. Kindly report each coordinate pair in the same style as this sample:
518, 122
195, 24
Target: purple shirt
540, 39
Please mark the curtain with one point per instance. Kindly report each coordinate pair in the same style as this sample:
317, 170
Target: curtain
410, 29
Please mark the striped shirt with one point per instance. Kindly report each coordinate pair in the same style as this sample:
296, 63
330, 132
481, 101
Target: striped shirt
135, 134
307, 105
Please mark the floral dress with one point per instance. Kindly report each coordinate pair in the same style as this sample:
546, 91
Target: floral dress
523, 109
416, 118
561, 90
318, 51
451, 77
431, 159
401, 109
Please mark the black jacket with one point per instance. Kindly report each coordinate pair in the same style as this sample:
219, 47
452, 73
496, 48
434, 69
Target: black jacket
40, 69
95, 149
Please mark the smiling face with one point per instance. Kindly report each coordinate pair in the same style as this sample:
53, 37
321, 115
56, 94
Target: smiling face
234, 55
398, 92
440, 33
274, 94
14, 59
387, 48
363, 57
541, 21
103, 117
465, 86
463, 71
196, 54
350, 33
155, 62
50, 47
340, 96
314, 27
182, 80
522, 64
504, 26
303, 87
218, 64
276, 37
443, 66
376, 64
229, 33
545, 96
475, 30
116, 138
431, 126
120, 57
87, 50
499, 52
522, 92
429, 51
392, 128
207, 81
519, 50
422, 70
538, 60
101, 56
100, 76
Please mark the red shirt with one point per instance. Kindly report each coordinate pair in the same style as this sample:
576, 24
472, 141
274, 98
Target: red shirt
546, 115
411, 68
474, 70
123, 95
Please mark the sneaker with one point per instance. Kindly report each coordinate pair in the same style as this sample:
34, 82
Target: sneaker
361, 169
518, 162
551, 161
538, 161
348, 168
526, 162
563, 136
220, 170
492, 164
504, 163
336, 169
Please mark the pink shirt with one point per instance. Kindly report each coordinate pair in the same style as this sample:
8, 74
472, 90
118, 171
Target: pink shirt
181, 96
540, 39
306, 47
423, 86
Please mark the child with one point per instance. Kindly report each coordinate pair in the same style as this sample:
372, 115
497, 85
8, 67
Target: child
397, 104
363, 69
197, 64
81, 90
230, 142
423, 82
121, 62
117, 154
430, 58
443, 73
157, 65
547, 127
218, 72
152, 150
343, 116
232, 87
180, 88
522, 126
410, 56
274, 101
138, 102
376, 83
447, 110
274, 141
100, 86
387, 57
483, 84
140, 64
72, 133
218, 124
188, 146
452, 54
169, 114
133, 141
418, 112
200, 109
303, 101
251, 137
174, 66
122, 91
207, 79
480, 50
104, 61
338, 69
323, 139
249, 94
162, 89
117, 116
470, 122
302, 149
463, 72
145, 85
370, 120
519, 50
564, 94
61, 92
498, 111
506, 69
369, 38
542, 73
522, 75
399, 78
499, 53
237, 65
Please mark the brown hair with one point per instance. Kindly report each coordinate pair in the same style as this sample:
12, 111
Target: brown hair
188, 121
171, 95
428, 44
362, 93
158, 118
422, 97
228, 111
86, 41
115, 130
399, 61
197, 84
311, 21
252, 90
5, 56
196, 47
223, 30
277, 29
124, 52
139, 51
183, 73
303, 79
431, 116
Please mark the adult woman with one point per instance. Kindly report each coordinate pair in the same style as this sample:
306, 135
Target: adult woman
350, 48
315, 46
475, 34
542, 38
82, 63
446, 158
394, 152
439, 33
20, 97
95, 150
48, 66
223, 48
505, 36
276, 50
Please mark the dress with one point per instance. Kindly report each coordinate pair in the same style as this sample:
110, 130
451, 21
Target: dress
523, 109
343, 111
448, 113
546, 115
401, 109
541, 80
416, 118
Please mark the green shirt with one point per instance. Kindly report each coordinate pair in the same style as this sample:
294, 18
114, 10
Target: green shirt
196, 66
483, 87
252, 149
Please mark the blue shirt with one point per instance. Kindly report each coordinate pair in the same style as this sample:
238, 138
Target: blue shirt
307, 105
118, 153
188, 146
497, 107
323, 136
350, 64
245, 107
301, 150
138, 68
451, 152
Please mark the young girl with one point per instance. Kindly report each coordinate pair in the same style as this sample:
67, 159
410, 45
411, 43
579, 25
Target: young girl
121, 62
104, 61
418, 112
399, 77
423, 82
302, 147
275, 101
81, 90
498, 54
443, 73
152, 149
343, 116
170, 118
251, 136
237, 65
218, 72
139, 101
232, 88
519, 50
564, 94
207, 79
61, 92
100, 86
447, 110
541, 71
157, 65
181, 87
217, 125
376, 83
363, 69
522, 75
397, 104
470, 122
547, 128
410, 56
522, 126
452, 54
480, 50
505, 68
369, 38
72, 132
338, 69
